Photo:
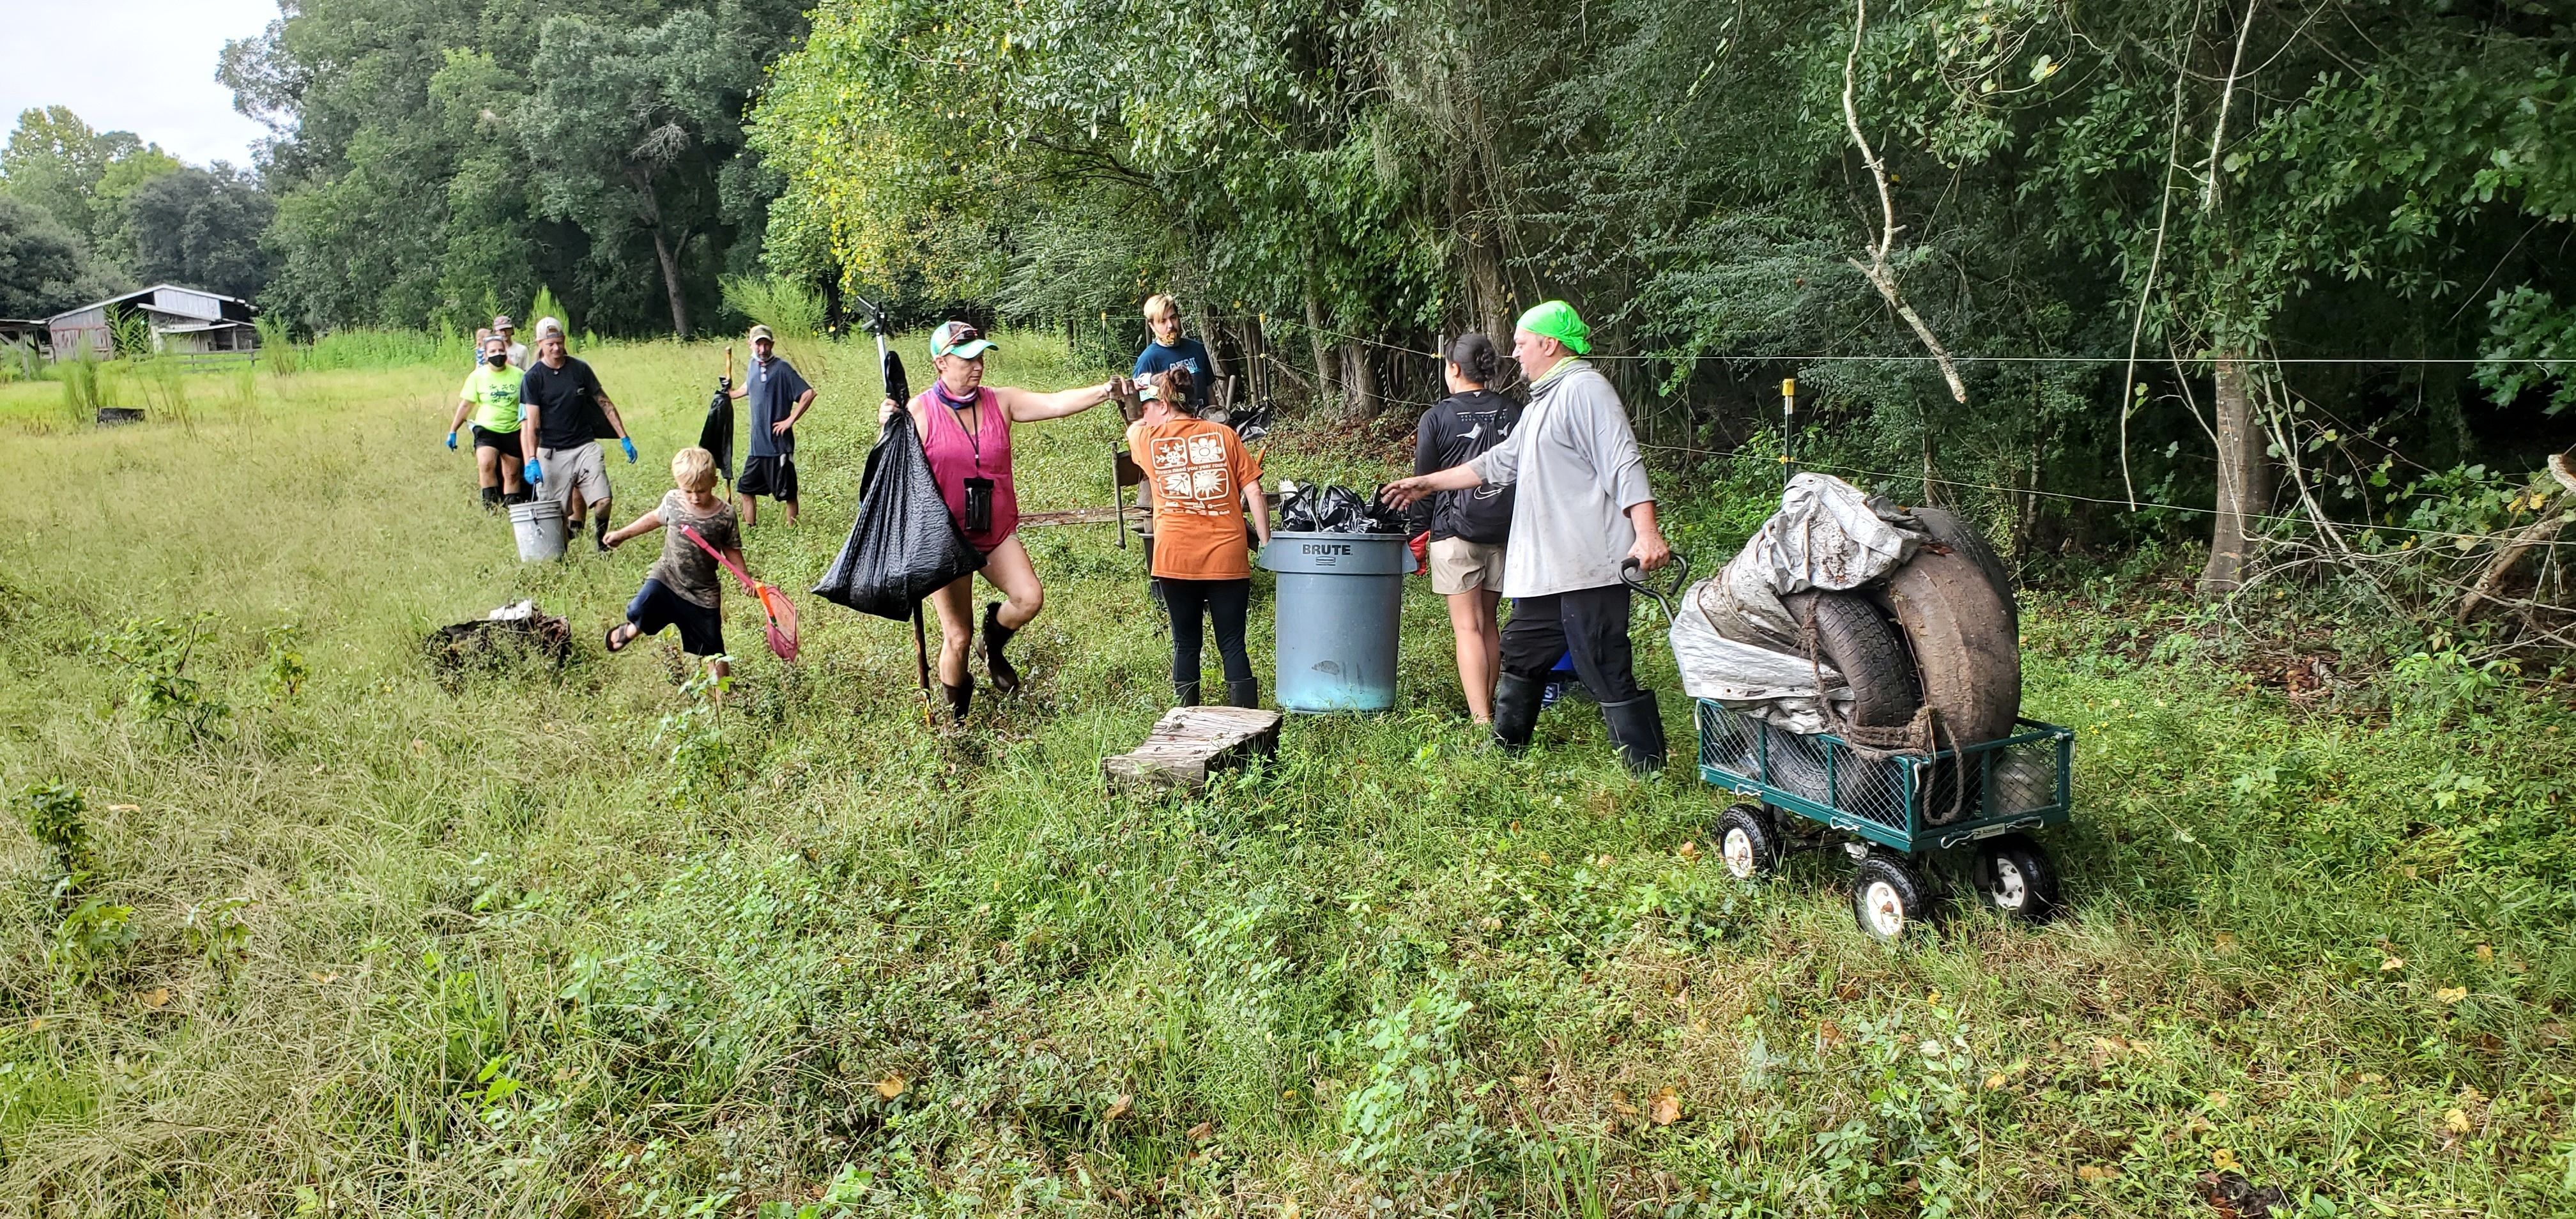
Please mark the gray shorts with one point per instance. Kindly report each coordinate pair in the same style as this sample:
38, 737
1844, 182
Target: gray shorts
569, 470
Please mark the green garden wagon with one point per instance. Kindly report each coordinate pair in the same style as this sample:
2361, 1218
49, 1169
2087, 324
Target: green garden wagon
1895, 814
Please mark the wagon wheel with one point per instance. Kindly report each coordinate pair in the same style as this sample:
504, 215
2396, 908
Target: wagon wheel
1747, 842
1887, 898
2016, 877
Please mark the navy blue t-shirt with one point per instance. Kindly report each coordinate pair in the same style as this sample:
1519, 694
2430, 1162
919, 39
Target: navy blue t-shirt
1188, 353
771, 391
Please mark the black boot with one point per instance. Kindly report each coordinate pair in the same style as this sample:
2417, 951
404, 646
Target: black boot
1516, 704
601, 537
1637, 728
1006, 680
491, 498
1185, 693
961, 697
515, 497
1245, 693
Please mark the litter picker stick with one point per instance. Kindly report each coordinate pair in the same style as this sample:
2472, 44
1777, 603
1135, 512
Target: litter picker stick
728, 388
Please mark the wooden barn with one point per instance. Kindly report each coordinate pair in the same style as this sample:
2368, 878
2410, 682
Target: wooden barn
182, 320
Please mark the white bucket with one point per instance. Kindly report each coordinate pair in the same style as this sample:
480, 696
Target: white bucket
540, 526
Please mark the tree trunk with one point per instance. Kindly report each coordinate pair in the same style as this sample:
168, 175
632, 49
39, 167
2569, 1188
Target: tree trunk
671, 281
1327, 386
1359, 384
2244, 485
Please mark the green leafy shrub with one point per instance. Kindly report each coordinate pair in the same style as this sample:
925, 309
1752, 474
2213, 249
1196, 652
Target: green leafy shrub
155, 656
57, 819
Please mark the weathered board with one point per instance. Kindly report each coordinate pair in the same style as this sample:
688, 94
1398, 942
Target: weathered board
1190, 743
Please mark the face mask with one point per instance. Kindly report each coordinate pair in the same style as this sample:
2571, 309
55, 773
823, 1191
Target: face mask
498, 358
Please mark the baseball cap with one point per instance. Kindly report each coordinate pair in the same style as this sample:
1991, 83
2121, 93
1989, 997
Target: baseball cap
547, 326
762, 332
503, 322
958, 339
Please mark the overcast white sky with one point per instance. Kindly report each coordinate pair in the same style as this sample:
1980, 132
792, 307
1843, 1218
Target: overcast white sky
156, 77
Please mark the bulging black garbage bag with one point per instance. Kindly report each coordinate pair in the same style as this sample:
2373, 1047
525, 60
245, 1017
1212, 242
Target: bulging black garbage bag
716, 436
1325, 508
905, 543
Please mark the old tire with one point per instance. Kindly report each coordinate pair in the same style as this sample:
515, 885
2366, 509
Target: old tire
1960, 623
1855, 637
1747, 842
1887, 898
1950, 530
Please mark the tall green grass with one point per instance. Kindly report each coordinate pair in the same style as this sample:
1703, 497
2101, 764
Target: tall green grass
359, 938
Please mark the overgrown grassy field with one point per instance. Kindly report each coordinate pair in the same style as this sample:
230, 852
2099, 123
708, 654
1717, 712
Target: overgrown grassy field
354, 940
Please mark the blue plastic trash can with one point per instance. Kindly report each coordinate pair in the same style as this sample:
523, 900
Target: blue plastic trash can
1340, 605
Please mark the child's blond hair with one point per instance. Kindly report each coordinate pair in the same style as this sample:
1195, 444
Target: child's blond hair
693, 468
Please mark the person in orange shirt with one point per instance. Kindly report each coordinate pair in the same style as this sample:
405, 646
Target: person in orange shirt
1202, 482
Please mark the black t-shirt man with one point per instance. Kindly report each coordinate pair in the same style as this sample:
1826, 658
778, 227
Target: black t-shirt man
567, 400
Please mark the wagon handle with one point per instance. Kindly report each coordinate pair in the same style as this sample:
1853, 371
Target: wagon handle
1633, 574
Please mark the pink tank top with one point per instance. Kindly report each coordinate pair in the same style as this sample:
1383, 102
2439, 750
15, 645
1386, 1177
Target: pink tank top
957, 455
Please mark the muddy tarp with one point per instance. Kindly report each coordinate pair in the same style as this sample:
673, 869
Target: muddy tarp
1733, 639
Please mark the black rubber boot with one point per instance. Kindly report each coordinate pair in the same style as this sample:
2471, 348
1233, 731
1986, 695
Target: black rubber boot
515, 497
1516, 704
600, 538
1637, 728
1006, 680
1245, 693
1185, 694
491, 498
961, 697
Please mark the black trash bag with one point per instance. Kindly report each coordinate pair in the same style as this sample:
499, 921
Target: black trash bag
905, 543
1336, 509
717, 435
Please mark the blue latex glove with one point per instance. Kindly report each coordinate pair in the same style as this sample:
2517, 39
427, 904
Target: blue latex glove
535, 471
627, 443
451, 442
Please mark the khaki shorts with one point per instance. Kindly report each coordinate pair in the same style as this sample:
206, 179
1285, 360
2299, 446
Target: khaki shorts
1458, 565
568, 470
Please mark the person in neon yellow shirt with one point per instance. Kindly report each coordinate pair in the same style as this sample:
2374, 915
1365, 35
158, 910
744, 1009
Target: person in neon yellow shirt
491, 397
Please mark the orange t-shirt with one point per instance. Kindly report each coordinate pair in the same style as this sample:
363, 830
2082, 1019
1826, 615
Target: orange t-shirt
1197, 471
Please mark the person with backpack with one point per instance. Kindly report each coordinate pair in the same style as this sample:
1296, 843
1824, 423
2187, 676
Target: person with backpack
1581, 507
1463, 532
1203, 481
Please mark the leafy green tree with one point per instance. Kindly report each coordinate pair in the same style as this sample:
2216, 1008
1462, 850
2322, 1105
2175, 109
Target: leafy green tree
82, 177
43, 267
201, 228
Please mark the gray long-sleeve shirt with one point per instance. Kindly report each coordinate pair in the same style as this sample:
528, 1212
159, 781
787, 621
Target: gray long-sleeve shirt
1575, 466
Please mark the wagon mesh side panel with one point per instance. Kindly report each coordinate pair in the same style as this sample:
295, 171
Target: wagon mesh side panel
2023, 778
1874, 788
1797, 764
1726, 740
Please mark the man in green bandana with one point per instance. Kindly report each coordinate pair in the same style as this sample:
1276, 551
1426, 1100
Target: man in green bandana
1580, 508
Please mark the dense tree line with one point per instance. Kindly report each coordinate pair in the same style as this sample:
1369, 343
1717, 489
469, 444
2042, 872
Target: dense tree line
2192, 195
85, 213
437, 163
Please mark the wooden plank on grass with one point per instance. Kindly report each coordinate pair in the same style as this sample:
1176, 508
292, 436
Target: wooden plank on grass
1190, 743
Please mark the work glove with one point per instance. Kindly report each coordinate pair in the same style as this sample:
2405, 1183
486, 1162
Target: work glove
536, 471
627, 443
451, 442
1422, 553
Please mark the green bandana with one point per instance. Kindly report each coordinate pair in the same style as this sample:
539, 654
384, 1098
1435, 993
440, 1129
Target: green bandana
1557, 320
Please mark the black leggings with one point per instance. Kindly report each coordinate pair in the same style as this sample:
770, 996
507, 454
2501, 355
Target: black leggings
1226, 601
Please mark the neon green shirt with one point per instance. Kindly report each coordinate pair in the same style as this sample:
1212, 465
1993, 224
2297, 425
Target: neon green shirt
495, 395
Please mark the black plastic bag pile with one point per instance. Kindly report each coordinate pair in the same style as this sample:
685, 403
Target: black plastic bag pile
904, 544
1324, 508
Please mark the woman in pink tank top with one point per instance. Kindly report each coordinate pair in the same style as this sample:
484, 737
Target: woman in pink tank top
965, 430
